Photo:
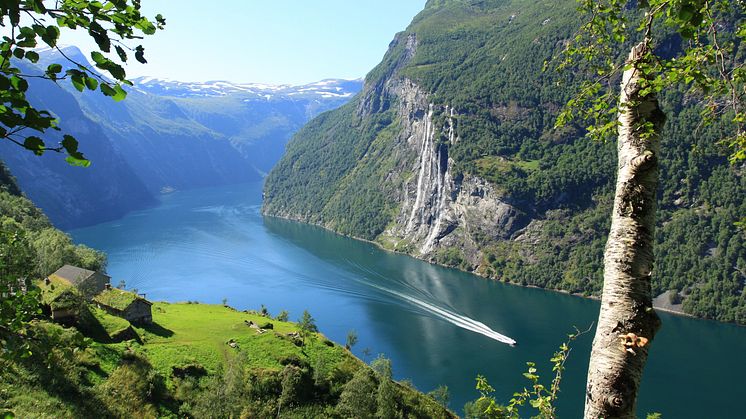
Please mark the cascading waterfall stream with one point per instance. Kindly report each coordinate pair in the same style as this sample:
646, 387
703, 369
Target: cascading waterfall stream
425, 152
426, 216
440, 200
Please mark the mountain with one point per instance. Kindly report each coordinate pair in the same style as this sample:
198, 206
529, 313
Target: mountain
73, 195
450, 154
166, 135
255, 119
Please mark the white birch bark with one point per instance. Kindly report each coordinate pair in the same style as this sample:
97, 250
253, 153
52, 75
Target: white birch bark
627, 322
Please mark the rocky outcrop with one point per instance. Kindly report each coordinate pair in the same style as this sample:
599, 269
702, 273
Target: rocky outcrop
439, 210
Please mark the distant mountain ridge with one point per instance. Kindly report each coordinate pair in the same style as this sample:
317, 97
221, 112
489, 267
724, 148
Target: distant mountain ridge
168, 135
324, 89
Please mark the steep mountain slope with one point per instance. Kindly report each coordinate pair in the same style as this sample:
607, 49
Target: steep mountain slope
167, 135
449, 154
72, 195
256, 119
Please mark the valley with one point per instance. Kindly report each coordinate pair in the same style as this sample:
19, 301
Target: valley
396, 303
381, 246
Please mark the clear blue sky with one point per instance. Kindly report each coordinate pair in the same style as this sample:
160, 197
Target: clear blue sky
268, 41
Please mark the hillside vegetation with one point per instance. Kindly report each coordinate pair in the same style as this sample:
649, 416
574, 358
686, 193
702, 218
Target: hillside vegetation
199, 360
346, 169
194, 360
47, 247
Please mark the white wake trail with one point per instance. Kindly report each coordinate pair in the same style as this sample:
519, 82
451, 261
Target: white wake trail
453, 318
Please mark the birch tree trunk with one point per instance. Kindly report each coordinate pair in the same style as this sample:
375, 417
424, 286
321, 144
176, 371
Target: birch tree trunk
627, 322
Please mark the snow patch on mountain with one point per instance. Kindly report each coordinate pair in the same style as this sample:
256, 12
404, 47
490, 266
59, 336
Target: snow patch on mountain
325, 89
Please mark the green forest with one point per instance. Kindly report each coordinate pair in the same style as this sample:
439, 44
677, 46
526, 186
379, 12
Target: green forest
487, 61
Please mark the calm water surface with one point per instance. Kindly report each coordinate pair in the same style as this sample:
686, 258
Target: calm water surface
437, 325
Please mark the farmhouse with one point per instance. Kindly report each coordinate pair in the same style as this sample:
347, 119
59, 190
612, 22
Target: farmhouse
89, 283
61, 298
125, 304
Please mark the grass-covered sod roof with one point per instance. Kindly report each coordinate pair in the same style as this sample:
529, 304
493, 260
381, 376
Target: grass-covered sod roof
56, 287
116, 298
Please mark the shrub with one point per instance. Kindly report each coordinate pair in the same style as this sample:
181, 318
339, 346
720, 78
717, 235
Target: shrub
358, 400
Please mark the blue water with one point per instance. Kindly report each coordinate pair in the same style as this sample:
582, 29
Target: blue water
437, 325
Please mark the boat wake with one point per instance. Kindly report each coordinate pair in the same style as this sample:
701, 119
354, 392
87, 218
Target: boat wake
450, 316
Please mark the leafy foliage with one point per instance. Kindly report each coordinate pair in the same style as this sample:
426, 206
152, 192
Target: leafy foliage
110, 24
30, 248
695, 44
538, 396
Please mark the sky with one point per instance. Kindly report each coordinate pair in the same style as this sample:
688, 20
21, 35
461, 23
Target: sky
266, 41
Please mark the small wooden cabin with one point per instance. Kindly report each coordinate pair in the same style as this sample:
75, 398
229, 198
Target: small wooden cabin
126, 305
61, 299
89, 283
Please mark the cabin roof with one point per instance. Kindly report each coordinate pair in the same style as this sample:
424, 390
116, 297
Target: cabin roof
54, 289
118, 299
73, 274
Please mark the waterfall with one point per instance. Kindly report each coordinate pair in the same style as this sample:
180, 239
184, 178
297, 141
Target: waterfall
426, 152
426, 217
443, 180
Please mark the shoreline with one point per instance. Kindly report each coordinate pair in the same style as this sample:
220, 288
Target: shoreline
588, 297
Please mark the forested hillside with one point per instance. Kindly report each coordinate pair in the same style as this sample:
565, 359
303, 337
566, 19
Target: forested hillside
450, 154
194, 360
45, 247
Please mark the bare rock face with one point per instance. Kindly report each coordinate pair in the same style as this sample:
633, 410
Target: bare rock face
439, 210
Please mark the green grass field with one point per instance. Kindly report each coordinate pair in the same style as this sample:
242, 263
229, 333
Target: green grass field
183, 334
192, 358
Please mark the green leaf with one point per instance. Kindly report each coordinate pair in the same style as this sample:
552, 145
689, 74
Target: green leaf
38, 6
51, 35
140, 54
32, 56
34, 144
120, 94
98, 58
121, 53
91, 83
107, 90
74, 161
116, 70
54, 68
19, 83
69, 143
100, 35
75, 158
78, 82
26, 32
145, 26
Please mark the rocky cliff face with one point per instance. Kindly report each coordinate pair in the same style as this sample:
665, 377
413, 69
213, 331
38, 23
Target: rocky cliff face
450, 154
438, 210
